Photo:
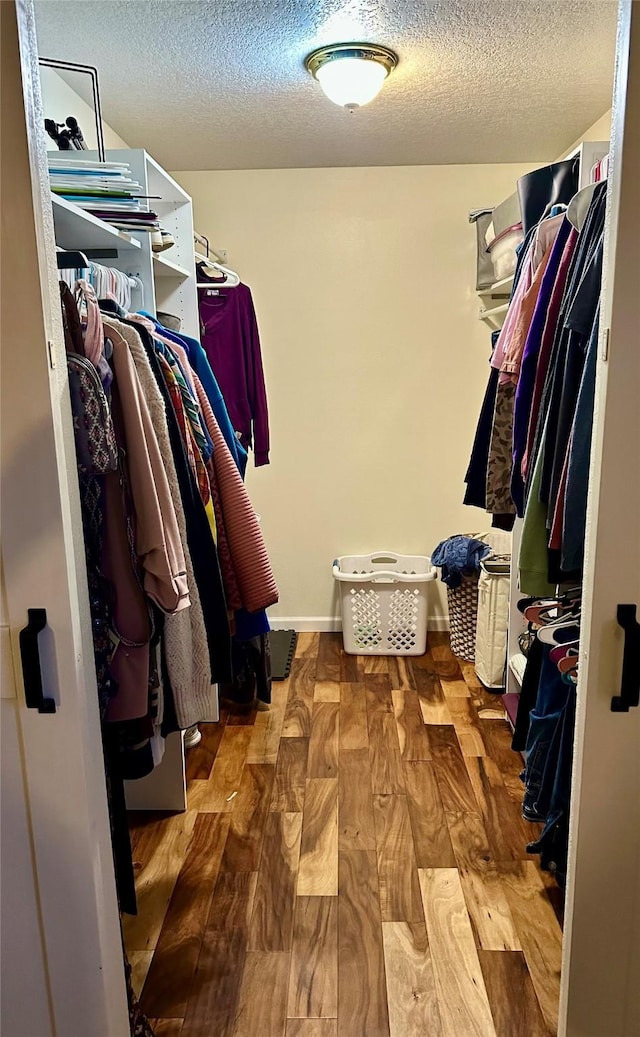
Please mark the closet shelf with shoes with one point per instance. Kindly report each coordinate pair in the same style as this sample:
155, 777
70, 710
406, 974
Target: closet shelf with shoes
77, 228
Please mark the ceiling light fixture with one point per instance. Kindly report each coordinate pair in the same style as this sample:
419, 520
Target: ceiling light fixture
351, 74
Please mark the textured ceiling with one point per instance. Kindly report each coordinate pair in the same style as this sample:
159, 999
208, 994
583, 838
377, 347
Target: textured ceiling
221, 85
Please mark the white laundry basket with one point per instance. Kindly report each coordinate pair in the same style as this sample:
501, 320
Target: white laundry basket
384, 602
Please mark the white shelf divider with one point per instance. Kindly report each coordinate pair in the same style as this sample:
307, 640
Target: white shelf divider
499, 289
517, 664
163, 267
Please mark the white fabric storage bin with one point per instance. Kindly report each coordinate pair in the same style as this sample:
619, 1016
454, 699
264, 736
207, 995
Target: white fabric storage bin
383, 597
503, 216
493, 620
503, 251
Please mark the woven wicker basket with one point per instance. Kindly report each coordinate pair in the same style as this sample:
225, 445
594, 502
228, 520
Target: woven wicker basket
463, 617
463, 601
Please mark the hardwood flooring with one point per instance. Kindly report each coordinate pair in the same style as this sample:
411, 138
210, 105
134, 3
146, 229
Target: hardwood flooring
352, 864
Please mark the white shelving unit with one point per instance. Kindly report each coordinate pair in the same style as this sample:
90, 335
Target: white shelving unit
589, 152
168, 285
494, 315
494, 300
168, 278
170, 275
499, 289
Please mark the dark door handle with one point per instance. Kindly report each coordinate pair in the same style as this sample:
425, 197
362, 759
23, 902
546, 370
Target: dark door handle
30, 655
630, 683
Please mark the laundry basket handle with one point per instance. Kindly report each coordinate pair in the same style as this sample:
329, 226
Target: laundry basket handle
382, 575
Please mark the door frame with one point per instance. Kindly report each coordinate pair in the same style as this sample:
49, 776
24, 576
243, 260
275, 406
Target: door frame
62, 753
600, 987
44, 567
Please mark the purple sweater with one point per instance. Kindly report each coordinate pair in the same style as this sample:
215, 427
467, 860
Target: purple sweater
229, 333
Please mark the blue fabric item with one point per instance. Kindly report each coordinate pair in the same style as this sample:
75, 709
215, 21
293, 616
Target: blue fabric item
458, 556
200, 364
553, 843
251, 624
575, 508
544, 741
526, 381
209, 441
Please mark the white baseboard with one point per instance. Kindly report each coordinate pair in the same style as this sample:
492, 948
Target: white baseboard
333, 623
438, 623
310, 623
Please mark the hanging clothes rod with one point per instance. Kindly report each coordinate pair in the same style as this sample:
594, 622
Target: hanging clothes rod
71, 260
74, 260
221, 256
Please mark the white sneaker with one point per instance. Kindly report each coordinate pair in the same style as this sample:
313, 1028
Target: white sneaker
192, 737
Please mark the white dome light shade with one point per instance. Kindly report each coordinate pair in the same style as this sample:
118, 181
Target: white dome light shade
351, 75
351, 82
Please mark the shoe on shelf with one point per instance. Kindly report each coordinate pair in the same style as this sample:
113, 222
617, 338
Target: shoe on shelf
169, 320
161, 240
168, 240
192, 737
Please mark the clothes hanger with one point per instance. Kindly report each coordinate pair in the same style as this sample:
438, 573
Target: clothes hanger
579, 206
526, 603
205, 263
569, 597
571, 677
559, 633
232, 279
569, 663
551, 613
562, 651
556, 210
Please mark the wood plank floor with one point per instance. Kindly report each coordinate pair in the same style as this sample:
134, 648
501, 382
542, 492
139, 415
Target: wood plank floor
352, 864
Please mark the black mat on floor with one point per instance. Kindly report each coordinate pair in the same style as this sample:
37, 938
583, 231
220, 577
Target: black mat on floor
283, 646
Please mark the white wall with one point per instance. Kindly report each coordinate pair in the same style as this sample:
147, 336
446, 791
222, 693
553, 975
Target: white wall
59, 100
600, 130
375, 360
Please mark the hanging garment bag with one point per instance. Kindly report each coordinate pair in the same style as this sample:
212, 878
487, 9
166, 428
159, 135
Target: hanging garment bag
543, 188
